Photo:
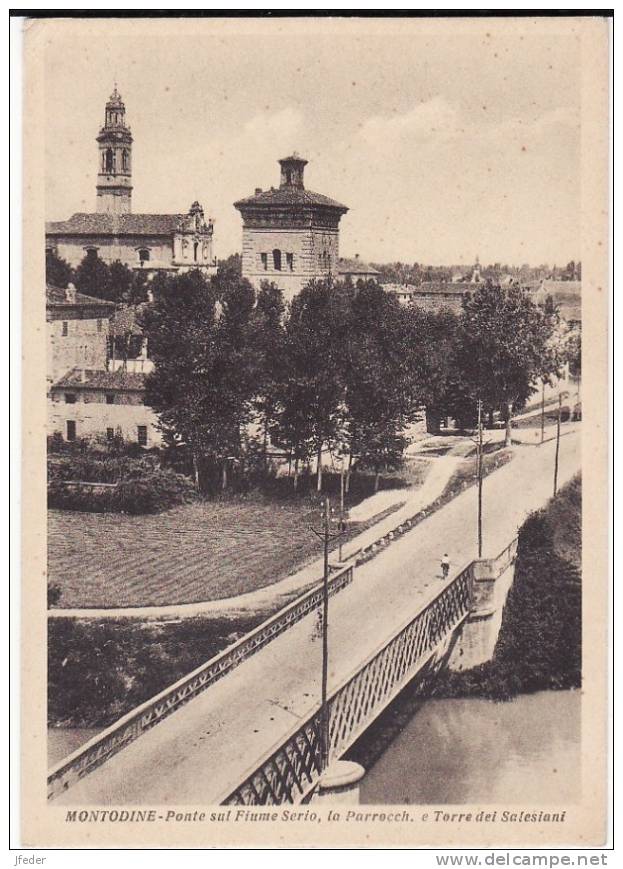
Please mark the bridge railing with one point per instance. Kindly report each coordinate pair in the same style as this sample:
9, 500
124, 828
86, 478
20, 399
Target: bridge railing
290, 770
128, 728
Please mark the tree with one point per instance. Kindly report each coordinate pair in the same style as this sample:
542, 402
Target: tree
379, 395
505, 344
205, 366
268, 337
58, 272
93, 277
310, 390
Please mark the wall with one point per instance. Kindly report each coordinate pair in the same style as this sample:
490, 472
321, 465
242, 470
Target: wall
111, 248
84, 346
306, 244
93, 418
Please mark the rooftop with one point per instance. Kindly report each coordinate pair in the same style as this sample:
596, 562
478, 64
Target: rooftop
83, 223
56, 296
290, 196
80, 378
355, 267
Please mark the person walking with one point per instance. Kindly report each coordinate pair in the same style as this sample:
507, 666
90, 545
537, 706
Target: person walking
445, 566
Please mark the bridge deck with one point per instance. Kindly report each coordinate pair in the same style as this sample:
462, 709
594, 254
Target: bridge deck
208, 745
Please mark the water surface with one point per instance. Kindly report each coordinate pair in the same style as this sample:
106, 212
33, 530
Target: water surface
475, 751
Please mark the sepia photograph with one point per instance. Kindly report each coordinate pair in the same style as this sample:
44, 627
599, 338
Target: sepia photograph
304, 303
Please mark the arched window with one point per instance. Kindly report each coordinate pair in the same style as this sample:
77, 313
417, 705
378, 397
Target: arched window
196, 249
124, 159
110, 160
144, 255
277, 260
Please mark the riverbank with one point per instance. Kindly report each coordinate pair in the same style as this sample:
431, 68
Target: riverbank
540, 642
539, 647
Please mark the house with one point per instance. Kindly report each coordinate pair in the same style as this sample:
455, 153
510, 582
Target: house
98, 403
77, 330
356, 270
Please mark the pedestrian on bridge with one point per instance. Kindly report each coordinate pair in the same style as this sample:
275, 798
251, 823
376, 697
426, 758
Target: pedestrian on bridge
445, 566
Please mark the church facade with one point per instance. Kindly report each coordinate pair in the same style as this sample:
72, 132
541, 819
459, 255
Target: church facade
290, 235
152, 242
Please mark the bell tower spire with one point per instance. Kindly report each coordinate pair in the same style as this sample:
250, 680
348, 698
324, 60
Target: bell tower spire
114, 178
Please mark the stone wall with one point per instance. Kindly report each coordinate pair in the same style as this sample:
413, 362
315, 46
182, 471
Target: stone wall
315, 255
475, 643
84, 346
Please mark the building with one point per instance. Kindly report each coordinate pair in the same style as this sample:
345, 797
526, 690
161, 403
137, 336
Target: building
77, 331
567, 296
432, 295
96, 403
290, 235
90, 392
356, 270
172, 242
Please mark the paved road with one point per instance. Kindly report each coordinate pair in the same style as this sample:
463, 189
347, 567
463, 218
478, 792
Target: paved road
196, 754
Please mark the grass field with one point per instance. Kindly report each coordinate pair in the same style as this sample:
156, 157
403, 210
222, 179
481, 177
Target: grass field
199, 551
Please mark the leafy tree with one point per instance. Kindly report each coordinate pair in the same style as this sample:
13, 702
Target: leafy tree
310, 391
93, 277
232, 263
505, 344
205, 366
379, 394
268, 339
58, 272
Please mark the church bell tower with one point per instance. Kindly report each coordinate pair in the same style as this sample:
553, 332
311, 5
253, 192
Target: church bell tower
114, 179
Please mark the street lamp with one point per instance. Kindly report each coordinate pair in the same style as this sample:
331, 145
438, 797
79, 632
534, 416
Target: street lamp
561, 395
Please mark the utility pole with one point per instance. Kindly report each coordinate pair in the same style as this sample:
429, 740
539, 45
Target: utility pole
341, 507
557, 443
543, 413
325, 639
479, 478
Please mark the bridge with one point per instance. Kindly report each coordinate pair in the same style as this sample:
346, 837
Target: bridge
245, 727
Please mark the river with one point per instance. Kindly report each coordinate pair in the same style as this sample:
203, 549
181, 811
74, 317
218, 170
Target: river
525, 751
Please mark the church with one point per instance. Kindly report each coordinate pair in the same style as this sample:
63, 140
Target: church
152, 242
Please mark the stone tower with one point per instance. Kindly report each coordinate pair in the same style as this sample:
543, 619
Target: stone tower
290, 235
114, 179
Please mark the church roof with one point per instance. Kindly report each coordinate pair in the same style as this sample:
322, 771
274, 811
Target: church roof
99, 379
115, 224
290, 196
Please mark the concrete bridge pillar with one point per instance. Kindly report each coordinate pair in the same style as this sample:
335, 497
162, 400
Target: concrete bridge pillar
340, 783
476, 640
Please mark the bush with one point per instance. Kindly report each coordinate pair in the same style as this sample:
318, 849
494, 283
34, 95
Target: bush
141, 490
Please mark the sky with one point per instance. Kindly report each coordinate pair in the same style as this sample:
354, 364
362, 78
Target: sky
446, 140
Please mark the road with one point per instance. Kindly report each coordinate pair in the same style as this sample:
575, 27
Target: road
208, 746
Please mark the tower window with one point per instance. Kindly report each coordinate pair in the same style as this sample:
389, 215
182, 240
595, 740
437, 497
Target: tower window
71, 430
264, 258
144, 255
124, 159
290, 261
277, 260
110, 160
196, 249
